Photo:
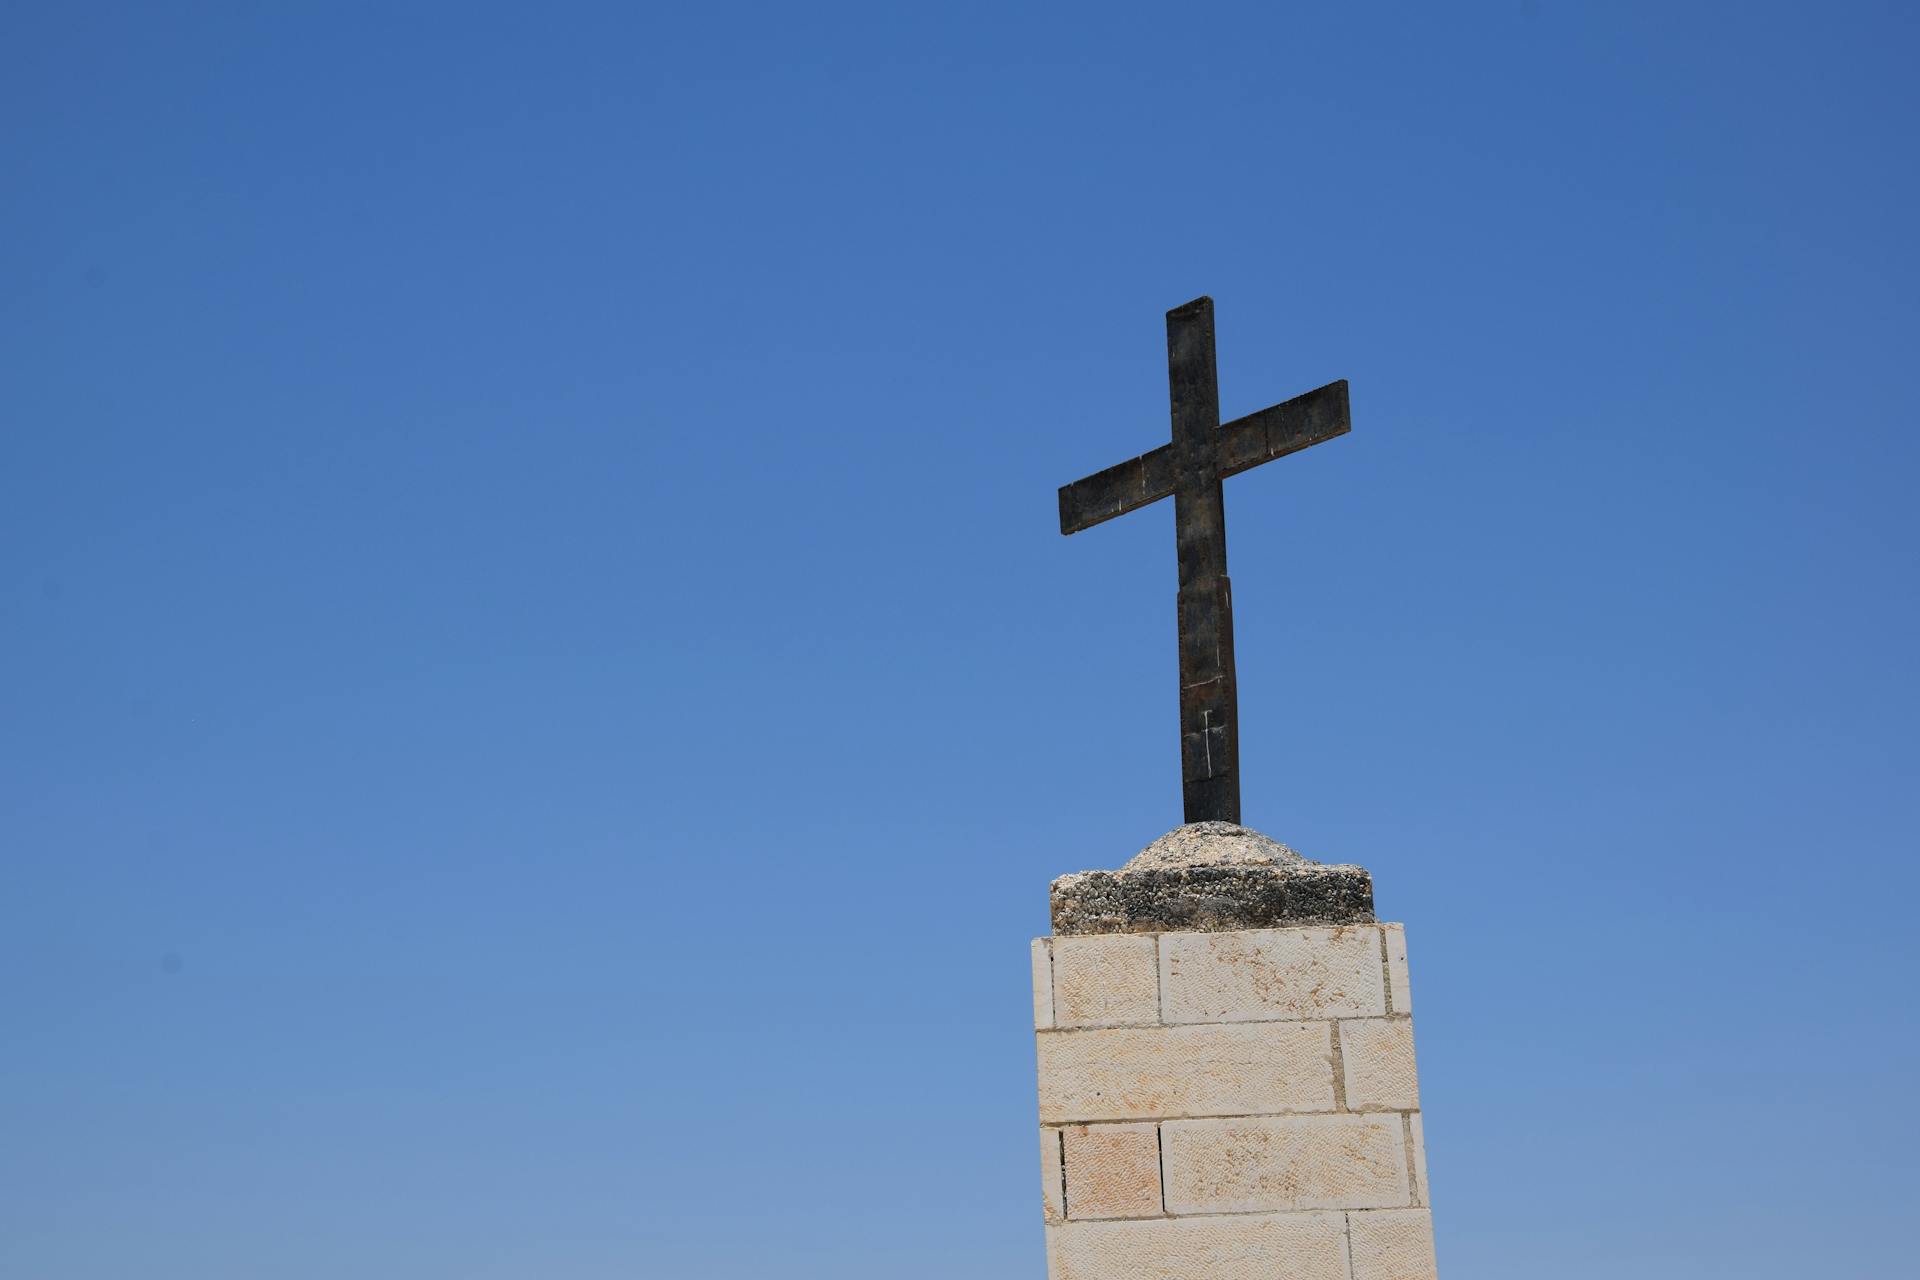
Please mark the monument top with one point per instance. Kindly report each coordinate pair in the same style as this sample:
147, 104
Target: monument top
1211, 877
1200, 844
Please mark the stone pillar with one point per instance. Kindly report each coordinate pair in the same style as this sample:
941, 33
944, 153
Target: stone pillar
1227, 1084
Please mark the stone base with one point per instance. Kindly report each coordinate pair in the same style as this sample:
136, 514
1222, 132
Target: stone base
1234, 1104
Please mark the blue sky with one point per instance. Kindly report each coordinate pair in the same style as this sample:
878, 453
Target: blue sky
542, 690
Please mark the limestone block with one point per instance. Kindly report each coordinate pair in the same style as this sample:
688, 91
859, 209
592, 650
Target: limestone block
1401, 993
1262, 974
1394, 1244
1284, 1246
1113, 1170
1141, 1073
1377, 1054
1286, 1162
1053, 1205
1422, 1191
1042, 985
1105, 981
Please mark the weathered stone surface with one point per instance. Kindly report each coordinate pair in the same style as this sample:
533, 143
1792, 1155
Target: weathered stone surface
1285, 1162
1042, 984
1257, 975
1211, 876
1402, 992
1267, 1246
1113, 1170
1140, 1073
1262, 1123
1105, 981
1378, 1056
1053, 1204
1417, 1129
1392, 1244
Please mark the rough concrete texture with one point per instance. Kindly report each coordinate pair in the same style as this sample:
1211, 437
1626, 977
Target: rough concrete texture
1257, 975
1248, 1165
1113, 1171
1392, 1244
1105, 981
1203, 844
1139, 1073
1287, 1246
1211, 876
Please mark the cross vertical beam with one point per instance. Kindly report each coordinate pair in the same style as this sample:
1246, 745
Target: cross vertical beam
1209, 728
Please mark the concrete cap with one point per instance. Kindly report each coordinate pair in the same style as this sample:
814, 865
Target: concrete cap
1201, 844
1211, 877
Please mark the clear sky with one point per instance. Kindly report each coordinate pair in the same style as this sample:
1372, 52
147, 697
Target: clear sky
541, 690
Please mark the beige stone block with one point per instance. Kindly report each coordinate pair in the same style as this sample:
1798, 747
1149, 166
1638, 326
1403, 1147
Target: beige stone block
1105, 980
1422, 1190
1377, 1054
1394, 1244
1142, 1073
1261, 974
1053, 1205
1284, 1162
1284, 1246
1113, 1170
1400, 991
1042, 984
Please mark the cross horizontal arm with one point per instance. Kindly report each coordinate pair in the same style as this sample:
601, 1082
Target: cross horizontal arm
1246, 442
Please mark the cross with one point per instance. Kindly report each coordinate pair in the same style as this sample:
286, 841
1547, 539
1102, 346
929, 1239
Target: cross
1202, 454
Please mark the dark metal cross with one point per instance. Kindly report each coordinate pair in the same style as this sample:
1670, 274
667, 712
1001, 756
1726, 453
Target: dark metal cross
1202, 454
